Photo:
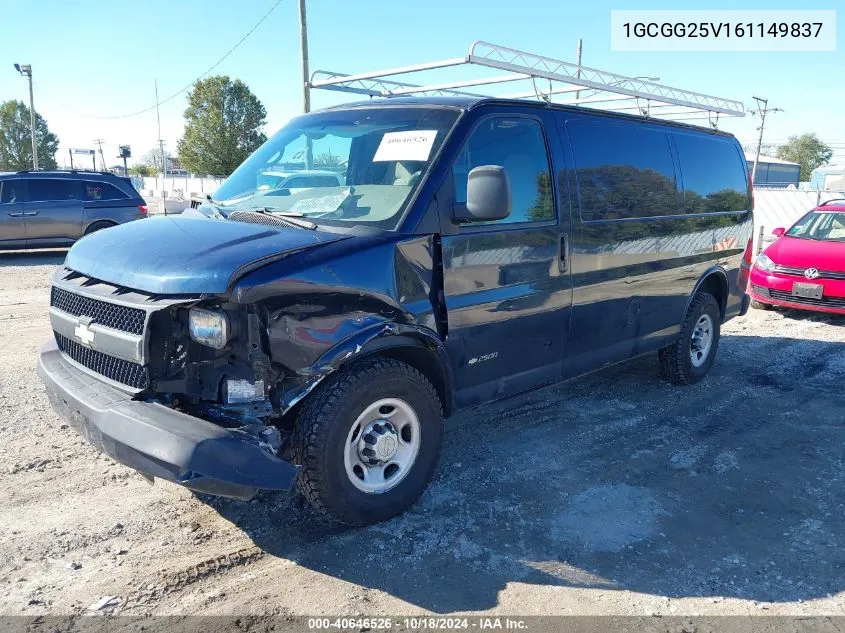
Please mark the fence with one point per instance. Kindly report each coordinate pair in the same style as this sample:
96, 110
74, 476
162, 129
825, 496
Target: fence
175, 187
775, 208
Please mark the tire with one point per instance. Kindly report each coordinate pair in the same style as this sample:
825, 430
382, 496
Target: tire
97, 226
677, 362
757, 305
327, 445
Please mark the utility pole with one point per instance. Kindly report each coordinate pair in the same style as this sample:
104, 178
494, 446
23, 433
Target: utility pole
578, 71
26, 71
163, 158
99, 143
762, 110
303, 44
306, 78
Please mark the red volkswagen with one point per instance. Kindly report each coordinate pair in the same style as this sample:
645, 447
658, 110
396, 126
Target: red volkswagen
805, 267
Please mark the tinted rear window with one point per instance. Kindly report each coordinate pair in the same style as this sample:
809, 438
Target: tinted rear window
624, 171
103, 191
44, 190
715, 177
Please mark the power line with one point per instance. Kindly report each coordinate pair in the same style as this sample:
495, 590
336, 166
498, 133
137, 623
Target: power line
188, 86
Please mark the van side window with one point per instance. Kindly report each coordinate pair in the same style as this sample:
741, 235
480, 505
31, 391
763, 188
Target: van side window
102, 191
11, 191
48, 190
715, 177
517, 145
624, 171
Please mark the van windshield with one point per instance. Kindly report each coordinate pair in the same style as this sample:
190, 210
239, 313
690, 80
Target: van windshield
342, 167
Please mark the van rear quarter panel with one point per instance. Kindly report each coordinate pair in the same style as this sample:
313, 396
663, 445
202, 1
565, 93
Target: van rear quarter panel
633, 278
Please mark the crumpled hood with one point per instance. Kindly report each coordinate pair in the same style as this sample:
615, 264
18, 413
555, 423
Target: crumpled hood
185, 255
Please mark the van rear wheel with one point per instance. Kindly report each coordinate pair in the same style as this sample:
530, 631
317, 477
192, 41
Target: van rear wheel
368, 439
688, 359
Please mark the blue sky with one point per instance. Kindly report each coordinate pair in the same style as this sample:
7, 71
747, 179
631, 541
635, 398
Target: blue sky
100, 58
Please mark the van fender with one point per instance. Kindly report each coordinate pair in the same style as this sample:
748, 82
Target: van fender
387, 338
720, 273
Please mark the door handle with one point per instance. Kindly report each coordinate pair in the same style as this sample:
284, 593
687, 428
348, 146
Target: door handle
30, 213
563, 261
15, 215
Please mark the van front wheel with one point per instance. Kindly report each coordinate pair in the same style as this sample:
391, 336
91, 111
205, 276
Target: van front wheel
688, 359
368, 439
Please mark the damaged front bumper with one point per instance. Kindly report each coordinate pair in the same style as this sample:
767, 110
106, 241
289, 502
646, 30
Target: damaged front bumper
158, 441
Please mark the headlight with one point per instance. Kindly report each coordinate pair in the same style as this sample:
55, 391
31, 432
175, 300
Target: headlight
764, 263
209, 327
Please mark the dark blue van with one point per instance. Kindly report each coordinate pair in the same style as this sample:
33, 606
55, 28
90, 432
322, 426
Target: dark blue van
467, 250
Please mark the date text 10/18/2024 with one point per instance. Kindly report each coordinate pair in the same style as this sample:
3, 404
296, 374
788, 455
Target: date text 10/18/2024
422, 623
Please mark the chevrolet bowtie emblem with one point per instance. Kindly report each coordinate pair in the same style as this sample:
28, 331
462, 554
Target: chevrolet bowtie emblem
84, 335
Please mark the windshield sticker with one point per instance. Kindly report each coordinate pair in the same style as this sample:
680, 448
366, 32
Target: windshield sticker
326, 204
413, 145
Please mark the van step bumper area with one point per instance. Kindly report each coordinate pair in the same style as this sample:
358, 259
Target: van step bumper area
158, 441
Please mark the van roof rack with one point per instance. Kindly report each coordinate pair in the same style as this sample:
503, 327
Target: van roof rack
837, 201
548, 80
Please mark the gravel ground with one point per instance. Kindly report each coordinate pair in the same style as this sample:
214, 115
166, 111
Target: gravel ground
614, 494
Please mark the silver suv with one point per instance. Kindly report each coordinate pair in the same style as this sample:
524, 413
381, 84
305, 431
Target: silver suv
43, 209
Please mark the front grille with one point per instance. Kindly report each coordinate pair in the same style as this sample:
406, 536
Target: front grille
799, 272
825, 302
111, 315
760, 290
116, 369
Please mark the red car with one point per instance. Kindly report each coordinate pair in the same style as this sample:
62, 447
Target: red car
805, 267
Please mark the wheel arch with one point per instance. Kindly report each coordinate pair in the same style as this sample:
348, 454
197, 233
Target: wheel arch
715, 282
416, 346
98, 224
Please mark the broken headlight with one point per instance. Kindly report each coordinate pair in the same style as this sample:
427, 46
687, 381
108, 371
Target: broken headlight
209, 327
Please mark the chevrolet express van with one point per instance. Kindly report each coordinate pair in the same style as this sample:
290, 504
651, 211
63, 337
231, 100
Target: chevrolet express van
471, 249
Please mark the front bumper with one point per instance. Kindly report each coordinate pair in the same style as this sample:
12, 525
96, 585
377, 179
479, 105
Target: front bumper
776, 289
158, 441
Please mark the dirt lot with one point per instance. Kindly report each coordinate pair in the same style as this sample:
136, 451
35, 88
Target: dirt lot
614, 494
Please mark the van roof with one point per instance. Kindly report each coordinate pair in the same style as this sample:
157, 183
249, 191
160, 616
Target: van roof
61, 173
467, 103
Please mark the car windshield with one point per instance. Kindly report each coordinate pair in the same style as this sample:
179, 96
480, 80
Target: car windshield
820, 225
343, 167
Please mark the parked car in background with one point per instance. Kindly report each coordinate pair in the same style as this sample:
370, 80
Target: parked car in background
292, 181
476, 249
44, 209
805, 267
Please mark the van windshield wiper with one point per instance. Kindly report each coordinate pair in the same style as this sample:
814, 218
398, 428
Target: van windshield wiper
292, 220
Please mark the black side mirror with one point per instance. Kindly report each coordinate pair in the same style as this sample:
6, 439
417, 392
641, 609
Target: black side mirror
488, 195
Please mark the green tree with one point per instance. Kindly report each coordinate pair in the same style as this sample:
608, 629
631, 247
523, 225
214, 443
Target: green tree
223, 126
807, 150
142, 170
16, 139
543, 205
